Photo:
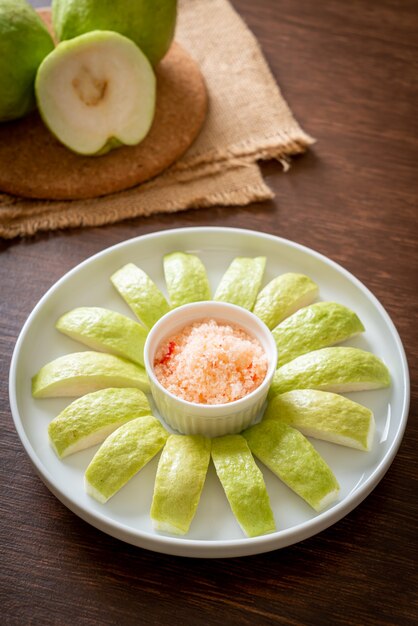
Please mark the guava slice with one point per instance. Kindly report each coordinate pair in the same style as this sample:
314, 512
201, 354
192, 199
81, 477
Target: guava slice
24, 43
243, 484
106, 331
241, 282
283, 296
96, 92
79, 373
149, 24
324, 415
186, 278
90, 419
140, 293
122, 455
313, 327
179, 482
338, 369
289, 455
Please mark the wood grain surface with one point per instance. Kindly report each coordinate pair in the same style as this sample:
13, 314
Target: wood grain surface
349, 72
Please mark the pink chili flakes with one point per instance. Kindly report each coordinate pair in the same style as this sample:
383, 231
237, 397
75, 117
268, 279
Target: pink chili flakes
210, 362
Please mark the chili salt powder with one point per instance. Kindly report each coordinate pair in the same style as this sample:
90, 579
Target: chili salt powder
210, 362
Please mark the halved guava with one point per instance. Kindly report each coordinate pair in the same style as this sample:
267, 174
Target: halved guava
96, 92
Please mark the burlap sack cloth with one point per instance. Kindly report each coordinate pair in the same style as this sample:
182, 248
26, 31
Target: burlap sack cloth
248, 120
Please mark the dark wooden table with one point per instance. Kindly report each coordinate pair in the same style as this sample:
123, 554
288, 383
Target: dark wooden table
349, 72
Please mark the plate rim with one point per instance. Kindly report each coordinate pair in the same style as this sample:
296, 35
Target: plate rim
202, 548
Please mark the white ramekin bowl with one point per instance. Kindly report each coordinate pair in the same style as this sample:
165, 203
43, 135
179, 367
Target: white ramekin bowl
210, 420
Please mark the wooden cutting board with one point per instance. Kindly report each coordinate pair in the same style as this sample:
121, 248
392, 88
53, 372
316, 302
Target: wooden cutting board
34, 164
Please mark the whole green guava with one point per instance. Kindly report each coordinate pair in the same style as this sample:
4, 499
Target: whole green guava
149, 23
24, 43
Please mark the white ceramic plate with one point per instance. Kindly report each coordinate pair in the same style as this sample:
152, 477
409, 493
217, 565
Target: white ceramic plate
214, 531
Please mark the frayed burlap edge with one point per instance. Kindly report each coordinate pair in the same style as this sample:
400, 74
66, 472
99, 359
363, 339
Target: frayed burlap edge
240, 186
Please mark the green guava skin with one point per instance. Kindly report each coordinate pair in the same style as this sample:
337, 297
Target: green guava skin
24, 43
241, 282
186, 278
140, 293
149, 23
